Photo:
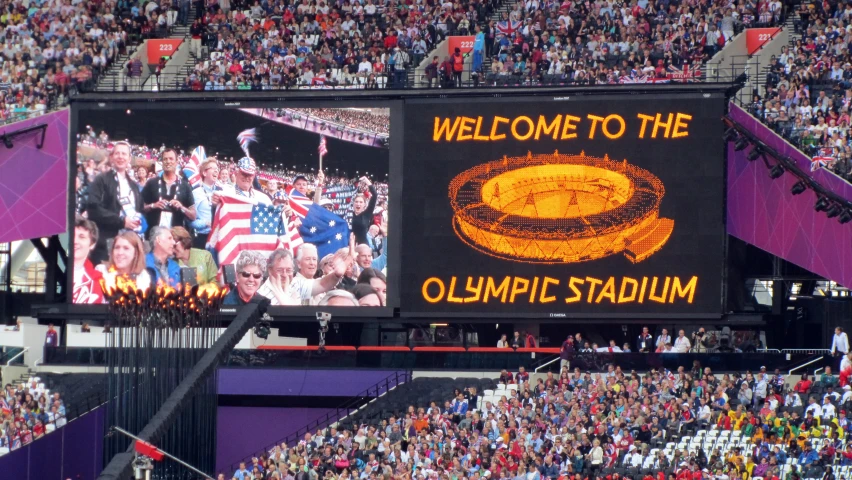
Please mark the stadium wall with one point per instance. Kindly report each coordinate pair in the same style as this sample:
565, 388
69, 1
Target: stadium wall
763, 212
241, 431
287, 382
73, 451
33, 181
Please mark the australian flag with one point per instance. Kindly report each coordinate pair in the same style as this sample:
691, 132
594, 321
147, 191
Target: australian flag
320, 227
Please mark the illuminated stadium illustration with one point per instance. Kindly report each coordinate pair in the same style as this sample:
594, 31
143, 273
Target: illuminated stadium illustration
557, 208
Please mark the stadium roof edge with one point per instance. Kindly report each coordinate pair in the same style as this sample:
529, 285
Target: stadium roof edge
344, 94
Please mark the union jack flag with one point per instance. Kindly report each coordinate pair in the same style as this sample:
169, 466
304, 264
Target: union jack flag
820, 162
323, 149
687, 74
642, 79
508, 27
192, 168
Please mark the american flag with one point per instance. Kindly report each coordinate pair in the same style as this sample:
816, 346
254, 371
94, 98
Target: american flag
193, 166
322, 147
241, 225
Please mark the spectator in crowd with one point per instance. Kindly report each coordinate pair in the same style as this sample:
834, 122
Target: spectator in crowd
203, 199
377, 280
839, 343
199, 259
681, 343
161, 258
339, 298
698, 341
663, 339
566, 352
250, 267
645, 341
115, 201
244, 185
168, 199
281, 288
127, 259
503, 342
366, 295
363, 209
87, 280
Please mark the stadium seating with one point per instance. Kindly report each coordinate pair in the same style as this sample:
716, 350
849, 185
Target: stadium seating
22, 422
729, 445
808, 93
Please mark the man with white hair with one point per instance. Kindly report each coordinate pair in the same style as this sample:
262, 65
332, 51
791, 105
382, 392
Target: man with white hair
307, 262
160, 259
364, 256
339, 298
284, 289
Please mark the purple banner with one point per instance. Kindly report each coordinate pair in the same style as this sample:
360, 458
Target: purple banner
74, 451
242, 431
335, 383
764, 213
33, 181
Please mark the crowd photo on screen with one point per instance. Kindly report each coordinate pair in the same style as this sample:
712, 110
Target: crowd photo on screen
290, 208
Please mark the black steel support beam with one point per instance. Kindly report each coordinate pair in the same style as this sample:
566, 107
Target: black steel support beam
120, 467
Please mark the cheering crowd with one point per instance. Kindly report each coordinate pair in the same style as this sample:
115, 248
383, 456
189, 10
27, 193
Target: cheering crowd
809, 87
51, 46
27, 412
262, 44
358, 119
683, 425
608, 42
135, 193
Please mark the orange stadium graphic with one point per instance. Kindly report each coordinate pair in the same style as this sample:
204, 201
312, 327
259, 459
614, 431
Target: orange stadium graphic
559, 209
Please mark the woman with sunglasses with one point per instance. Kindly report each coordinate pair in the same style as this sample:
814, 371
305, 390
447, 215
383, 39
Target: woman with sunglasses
251, 267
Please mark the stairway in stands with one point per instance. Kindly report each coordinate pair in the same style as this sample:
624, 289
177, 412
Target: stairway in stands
505, 7
112, 80
420, 392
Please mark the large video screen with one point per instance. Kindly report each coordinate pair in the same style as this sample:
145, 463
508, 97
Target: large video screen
563, 207
287, 204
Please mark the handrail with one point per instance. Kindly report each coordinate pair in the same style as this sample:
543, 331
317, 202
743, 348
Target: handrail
806, 364
25, 350
767, 350
322, 422
810, 351
546, 364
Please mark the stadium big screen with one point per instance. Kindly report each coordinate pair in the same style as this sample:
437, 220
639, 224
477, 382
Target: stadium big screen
564, 207
217, 191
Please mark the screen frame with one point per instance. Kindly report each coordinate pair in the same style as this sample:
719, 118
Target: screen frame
718, 96
395, 146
